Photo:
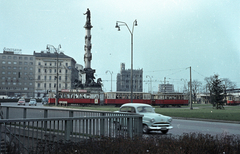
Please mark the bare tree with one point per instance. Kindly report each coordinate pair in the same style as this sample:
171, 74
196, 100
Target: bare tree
195, 88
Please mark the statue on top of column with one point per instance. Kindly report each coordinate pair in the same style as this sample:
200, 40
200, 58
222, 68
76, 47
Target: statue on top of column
88, 18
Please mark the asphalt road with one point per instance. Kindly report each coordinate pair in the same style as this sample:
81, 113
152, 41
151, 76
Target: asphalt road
180, 126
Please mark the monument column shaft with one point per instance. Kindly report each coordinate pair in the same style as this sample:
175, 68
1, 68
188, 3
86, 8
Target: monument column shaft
88, 46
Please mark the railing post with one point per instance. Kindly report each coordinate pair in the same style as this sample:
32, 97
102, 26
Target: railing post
7, 113
129, 127
24, 113
71, 121
102, 125
67, 130
45, 116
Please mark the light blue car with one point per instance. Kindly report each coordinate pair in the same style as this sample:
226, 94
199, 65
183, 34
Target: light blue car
151, 121
32, 102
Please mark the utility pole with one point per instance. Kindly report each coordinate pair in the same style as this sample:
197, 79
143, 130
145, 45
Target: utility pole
190, 89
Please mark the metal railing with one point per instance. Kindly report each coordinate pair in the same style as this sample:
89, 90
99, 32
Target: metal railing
26, 134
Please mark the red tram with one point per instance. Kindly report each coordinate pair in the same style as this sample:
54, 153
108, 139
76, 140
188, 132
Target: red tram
83, 97
233, 100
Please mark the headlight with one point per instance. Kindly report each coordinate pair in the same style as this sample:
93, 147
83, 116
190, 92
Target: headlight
170, 119
152, 120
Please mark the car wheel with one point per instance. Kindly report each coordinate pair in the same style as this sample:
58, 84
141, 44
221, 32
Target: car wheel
145, 129
164, 131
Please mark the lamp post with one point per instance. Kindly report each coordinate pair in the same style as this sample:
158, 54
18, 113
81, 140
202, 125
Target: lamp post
56, 50
111, 77
118, 24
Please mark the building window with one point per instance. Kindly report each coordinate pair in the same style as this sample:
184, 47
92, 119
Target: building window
50, 64
65, 78
39, 77
59, 77
25, 63
3, 67
9, 62
31, 68
45, 85
39, 63
39, 85
9, 57
66, 64
45, 77
3, 83
50, 77
39, 70
66, 71
14, 73
14, 57
20, 68
3, 62
3, 57
25, 68
45, 70
14, 63
9, 67
20, 63
55, 71
30, 83
14, 67
31, 63
59, 85
31, 58
45, 64
49, 85
50, 71
25, 58
20, 58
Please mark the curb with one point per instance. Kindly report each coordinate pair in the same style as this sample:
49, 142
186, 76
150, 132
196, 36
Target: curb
208, 120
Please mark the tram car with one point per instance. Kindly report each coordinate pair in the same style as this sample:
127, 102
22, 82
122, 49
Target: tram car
233, 100
75, 96
84, 97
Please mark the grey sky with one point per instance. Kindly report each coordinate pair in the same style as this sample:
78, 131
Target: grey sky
171, 35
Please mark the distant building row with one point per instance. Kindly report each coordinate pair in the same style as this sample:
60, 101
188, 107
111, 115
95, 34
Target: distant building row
35, 75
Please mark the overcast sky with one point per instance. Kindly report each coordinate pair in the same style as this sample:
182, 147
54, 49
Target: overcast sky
171, 36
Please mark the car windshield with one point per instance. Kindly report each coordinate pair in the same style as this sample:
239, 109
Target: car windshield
32, 100
21, 100
145, 109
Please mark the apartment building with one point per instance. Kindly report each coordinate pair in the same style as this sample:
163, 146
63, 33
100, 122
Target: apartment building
46, 72
17, 74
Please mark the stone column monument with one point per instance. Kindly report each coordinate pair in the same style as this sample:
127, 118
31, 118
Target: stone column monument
88, 71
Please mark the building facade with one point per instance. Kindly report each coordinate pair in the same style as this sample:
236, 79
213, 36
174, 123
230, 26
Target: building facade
46, 72
17, 74
166, 88
124, 79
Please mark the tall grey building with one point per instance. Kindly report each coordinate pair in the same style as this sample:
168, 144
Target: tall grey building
17, 74
124, 79
46, 72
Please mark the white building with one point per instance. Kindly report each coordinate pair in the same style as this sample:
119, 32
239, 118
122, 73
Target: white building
46, 72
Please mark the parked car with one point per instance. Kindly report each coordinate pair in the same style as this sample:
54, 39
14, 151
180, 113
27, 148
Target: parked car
32, 102
151, 121
21, 101
44, 100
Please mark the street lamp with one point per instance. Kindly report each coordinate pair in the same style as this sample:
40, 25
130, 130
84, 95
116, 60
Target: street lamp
118, 24
57, 51
111, 77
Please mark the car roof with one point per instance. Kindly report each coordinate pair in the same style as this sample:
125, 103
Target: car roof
135, 104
